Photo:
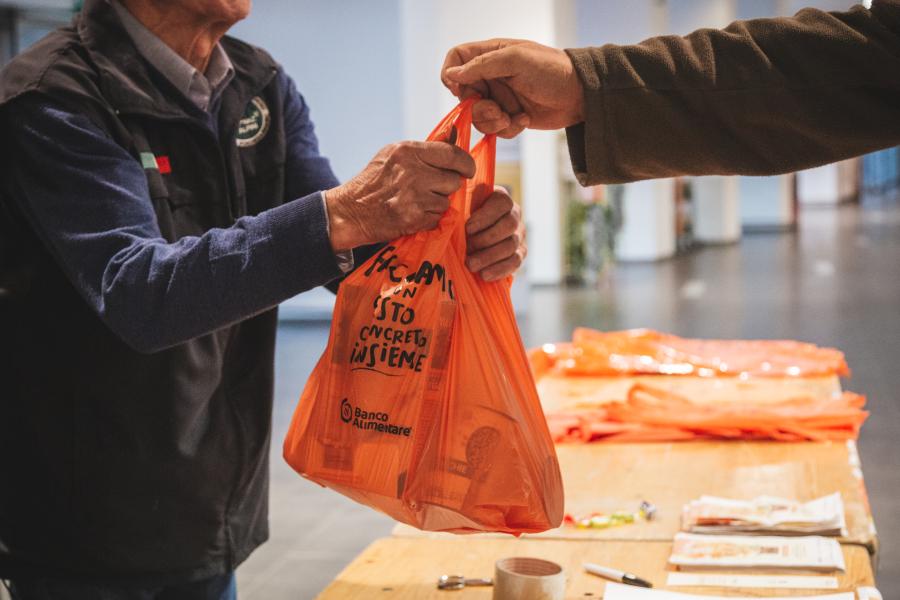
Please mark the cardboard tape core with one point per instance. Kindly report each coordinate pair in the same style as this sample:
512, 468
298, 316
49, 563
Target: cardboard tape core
523, 578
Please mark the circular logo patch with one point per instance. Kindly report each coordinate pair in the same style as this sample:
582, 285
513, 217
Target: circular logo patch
254, 125
346, 411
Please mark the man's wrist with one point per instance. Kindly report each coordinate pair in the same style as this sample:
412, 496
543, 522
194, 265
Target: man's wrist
576, 92
340, 229
573, 90
584, 81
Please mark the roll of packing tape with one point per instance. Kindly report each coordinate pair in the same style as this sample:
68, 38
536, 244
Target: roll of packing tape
528, 579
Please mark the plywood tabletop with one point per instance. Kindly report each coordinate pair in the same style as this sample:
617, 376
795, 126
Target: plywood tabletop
408, 568
606, 477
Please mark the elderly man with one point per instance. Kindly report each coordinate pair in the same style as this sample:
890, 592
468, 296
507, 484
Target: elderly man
162, 192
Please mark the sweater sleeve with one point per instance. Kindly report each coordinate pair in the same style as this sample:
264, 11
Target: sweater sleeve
87, 200
306, 170
760, 97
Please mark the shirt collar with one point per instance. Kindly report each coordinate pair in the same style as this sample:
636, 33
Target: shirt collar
201, 89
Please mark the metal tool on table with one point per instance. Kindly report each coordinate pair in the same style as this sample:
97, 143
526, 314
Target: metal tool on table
458, 582
516, 578
525, 578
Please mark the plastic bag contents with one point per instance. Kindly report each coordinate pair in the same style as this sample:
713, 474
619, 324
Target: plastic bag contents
649, 414
423, 405
643, 351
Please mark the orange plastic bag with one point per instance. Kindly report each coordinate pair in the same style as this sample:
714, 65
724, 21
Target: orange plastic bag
644, 351
423, 405
649, 414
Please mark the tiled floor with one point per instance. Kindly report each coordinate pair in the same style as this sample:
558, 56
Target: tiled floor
835, 282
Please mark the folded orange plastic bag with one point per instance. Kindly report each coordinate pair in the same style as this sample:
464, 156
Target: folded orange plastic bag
423, 405
644, 351
650, 414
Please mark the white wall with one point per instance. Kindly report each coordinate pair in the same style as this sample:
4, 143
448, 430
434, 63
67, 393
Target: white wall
603, 22
430, 29
756, 9
686, 16
793, 6
347, 61
42, 4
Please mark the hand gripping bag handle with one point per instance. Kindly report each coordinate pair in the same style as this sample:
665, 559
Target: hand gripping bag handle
455, 128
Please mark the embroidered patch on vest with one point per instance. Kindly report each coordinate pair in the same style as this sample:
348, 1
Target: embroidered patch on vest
254, 125
148, 161
156, 163
165, 167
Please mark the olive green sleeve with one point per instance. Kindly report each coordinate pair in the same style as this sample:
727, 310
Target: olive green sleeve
760, 97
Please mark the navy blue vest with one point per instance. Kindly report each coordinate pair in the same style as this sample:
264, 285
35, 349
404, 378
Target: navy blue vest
112, 462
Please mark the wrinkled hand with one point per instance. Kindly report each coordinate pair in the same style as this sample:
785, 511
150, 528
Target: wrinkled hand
524, 85
404, 190
495, 237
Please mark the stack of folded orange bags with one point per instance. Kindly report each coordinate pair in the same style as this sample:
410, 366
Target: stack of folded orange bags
644, 351
651, 414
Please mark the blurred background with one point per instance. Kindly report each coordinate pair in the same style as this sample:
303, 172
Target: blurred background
811, 255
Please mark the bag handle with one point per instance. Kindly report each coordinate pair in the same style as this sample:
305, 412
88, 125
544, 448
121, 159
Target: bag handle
456, 128
482, 185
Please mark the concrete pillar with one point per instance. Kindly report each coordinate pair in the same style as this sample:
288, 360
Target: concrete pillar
716, 203
766, 202
829, 184
542, 207
716, 209
648, 221
648, 207
717, 214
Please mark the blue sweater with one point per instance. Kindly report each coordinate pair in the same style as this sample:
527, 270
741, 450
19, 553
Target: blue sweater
87, 199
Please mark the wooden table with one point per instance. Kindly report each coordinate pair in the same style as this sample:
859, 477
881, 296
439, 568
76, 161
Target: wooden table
605, 477
408, 568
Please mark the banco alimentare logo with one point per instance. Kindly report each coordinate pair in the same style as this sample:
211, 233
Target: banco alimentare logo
346, 411
371, 420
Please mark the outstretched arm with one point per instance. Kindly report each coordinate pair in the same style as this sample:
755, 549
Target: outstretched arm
759, 97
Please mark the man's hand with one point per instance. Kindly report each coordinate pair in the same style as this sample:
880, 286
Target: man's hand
524, 85
402, 191
495, 237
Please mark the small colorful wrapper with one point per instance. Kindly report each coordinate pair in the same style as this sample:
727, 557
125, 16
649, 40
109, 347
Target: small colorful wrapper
646, 512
